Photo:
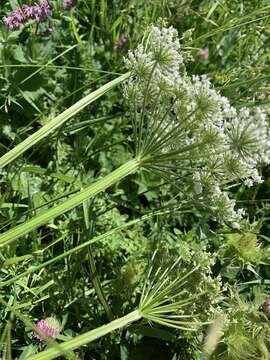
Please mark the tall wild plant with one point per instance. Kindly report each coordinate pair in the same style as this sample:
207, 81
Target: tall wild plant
182, 128
187, 133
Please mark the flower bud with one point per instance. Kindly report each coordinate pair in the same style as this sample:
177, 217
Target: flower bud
49, 327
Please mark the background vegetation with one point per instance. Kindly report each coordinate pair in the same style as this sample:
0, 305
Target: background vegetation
43, 74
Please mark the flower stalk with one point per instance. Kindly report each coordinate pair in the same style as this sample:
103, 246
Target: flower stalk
164, 301
89, 336
183, 126
59, 120
90, 191
78, 248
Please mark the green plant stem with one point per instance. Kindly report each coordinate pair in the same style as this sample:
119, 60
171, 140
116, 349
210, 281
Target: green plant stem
90, 191
78, 248
58, 121
29, 324
89, 336
98, 287
92, 265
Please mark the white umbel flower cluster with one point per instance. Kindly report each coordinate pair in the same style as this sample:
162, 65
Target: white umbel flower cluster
183, 126
159, 59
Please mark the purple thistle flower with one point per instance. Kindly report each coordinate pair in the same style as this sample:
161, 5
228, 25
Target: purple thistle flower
46, 7
39, 16
39, 12
49, 327
15, 19
28, 11
69, 4
18, 15
11, 23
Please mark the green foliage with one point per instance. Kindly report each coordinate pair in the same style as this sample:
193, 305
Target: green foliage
246, 334
246, 247
49, 271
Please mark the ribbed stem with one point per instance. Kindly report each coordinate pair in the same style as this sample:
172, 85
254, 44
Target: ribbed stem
86, 338
90, 191
59, 120
78, 248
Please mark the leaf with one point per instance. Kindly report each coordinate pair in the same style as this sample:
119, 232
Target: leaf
29, 350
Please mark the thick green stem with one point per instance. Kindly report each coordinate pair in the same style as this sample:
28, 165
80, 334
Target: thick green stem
59, 120
86, 338
90, 191
78, 248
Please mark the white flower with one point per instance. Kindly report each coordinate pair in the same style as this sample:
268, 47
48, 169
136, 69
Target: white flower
182, 123
248, 182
